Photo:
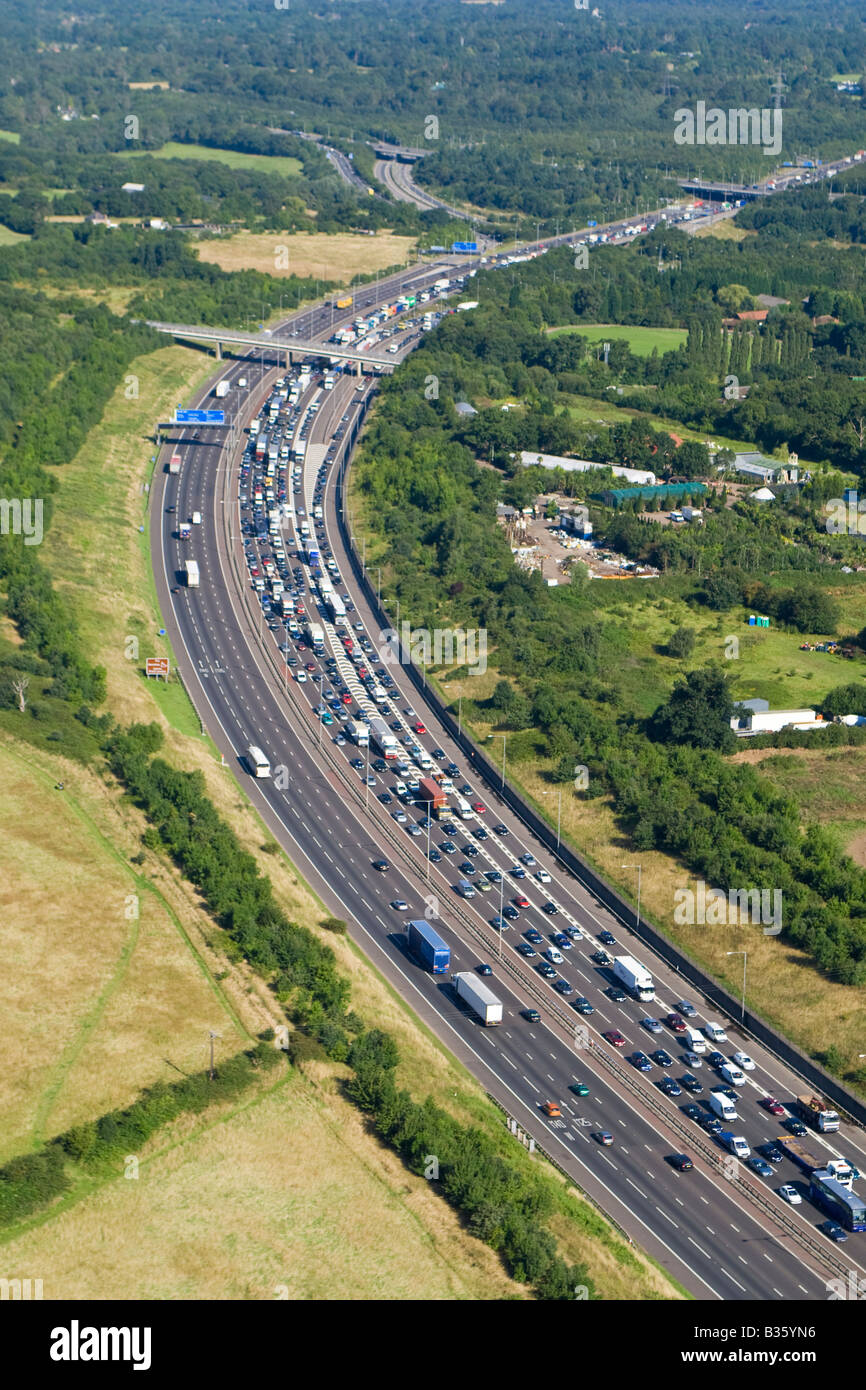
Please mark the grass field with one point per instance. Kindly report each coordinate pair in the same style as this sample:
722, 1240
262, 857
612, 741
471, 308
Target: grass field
641, 340
10, 238
725, 229
11, 135
288, 1189
337, 258
116, 297
283, 164
590, 409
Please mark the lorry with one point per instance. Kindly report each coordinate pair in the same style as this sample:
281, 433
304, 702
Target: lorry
358, 732
813, 1160
427, 945
316, 637
345, 303
174, 463
185, 530
480, 999
635, 977
383, 740
432, 793
191, 570
817, 1113
222, 388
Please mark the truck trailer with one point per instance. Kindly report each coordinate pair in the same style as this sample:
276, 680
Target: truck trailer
358, 732
813, 1160
383, 740
635, 977
427, 945
481, 1000
192, 578
432, 793
222, 388
174, 463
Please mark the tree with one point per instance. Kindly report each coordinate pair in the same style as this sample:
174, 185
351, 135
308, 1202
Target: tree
698, 712
722, 590
19, 685
681, 642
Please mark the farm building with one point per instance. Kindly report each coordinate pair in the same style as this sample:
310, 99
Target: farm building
660, 494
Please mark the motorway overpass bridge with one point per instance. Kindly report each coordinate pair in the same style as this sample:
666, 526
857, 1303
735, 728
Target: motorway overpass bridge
405, 154
300, 347
723, 192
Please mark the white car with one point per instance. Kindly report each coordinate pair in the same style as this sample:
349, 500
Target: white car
399, 905
733, 1075
400, 788
301, 677
543, 876
553, 955
790, 1194
743, 1060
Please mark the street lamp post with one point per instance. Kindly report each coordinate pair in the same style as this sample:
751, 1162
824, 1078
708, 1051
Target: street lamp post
639, 868
744, 954
504, 738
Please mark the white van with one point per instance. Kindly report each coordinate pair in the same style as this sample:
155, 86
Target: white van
715, 1032
694, 1041
736, 1143
196, 518
722, 1106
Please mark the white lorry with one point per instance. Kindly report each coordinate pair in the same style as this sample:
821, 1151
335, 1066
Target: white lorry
192, 579
222, 388
481, 1000
358, 732
635, 977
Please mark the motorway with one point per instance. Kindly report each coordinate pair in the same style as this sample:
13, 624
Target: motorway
703, 1227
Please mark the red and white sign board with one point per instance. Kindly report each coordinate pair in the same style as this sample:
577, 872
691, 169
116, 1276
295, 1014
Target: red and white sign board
156, 666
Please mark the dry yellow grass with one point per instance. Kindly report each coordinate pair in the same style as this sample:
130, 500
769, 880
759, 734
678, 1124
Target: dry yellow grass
336, 257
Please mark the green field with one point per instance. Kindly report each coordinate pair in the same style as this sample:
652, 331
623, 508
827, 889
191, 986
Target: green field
11, 135
283, 164
10, 238
641, 340
591, 410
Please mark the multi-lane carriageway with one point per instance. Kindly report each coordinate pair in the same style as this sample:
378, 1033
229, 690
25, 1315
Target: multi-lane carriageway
702, 1227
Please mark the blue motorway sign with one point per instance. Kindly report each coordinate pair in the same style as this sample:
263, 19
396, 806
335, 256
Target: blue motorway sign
464, 247
199, 417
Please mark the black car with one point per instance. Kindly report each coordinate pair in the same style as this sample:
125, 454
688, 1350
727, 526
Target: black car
484, 969
546, 970
771, 1152
681, 1162
500, 829
717, 1059
669, 1086
691, 1083
550, 908
606, 938
563, 987
381, 865
583, 1006
525, 949
711, 1123
662, 1058
795, 1127
531, 1014
692, 1112
616, 994
601, 957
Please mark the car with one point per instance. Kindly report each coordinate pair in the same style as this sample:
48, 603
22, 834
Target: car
669, 1086
579, 1088
771, 1152
686, 1009
386, 798
419, 728
789, 1194
717, 1060
531, 1015
542, 875
795, 1127
448, 847
399, 905
528, 859
614, 1037
520, 901
733, 1074
510, 912
484, 969
652, 1025
574, 933
470, 849
546, 969
616, 994
774, 1106
534, 936
601, 958
525, 949
301, 677
727, 1091
675, 1023
500, 829
833, 1231
414, 830
467, 867
759, 1165
381, 865
692, 1060
516, 871
562, 941
583, 1006
601, 1136
664, 1059
479, 808
606, 938
563, 987
681, 1162
743, 1061
551, 1109
711, 1123
640, 1061
500, 924
399, 816
435, 857
692, 1112
691, 1084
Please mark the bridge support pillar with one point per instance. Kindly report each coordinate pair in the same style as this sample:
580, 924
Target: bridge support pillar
288, 360
358, 367
219, 351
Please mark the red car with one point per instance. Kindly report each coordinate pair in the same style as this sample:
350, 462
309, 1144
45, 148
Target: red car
419, 728
346, 697
362, 673
770, 1103
614, 1038
675, 1023
311, 665
520, 901
479, 807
